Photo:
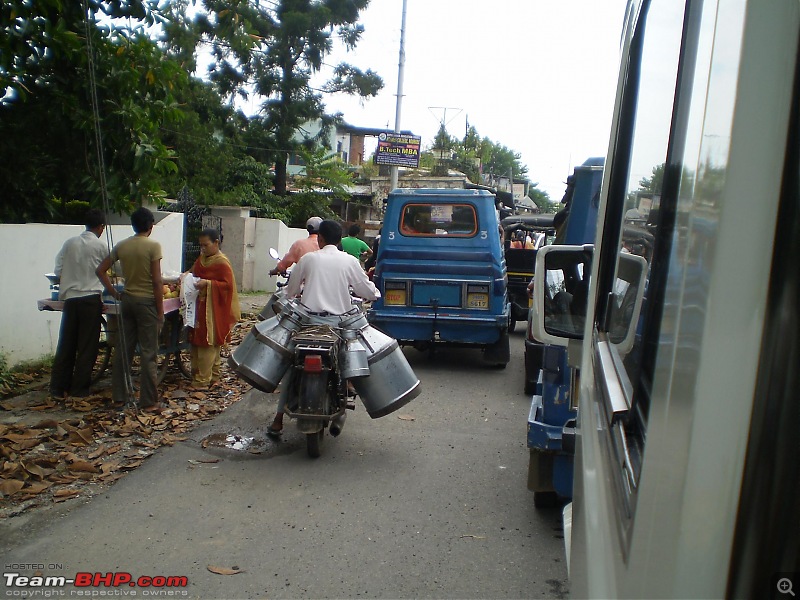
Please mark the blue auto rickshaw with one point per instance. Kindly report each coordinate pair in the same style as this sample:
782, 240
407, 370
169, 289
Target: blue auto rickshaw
547, 375
441, 272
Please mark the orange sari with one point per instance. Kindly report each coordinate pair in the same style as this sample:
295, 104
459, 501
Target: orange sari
218, 307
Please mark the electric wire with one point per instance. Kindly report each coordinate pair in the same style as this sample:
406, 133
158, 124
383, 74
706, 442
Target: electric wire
122, 347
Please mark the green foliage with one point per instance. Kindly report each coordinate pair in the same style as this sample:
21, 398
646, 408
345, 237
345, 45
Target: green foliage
162, 130
75, 211
6, 377
324, 172
542, 199
368, 169
472, 156
655, 181
47, 127
273, 49
326, 177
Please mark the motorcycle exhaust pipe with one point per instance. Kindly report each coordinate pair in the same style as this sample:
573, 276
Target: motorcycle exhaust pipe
337, 424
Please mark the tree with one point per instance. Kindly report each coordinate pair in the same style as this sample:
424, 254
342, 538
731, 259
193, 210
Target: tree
542, 199
655, 181
272, 49
47, 127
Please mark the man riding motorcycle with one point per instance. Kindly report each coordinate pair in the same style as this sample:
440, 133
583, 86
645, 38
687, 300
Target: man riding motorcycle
326, 278
300, 248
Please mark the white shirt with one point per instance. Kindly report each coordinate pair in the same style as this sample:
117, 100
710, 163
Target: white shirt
76, 263
328, 275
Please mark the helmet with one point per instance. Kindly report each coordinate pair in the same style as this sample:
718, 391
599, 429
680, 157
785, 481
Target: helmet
312, 225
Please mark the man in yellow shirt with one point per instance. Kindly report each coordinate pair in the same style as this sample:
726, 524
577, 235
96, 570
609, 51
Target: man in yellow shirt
142, 310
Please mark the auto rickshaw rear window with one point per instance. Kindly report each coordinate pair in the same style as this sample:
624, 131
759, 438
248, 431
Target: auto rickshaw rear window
440, 219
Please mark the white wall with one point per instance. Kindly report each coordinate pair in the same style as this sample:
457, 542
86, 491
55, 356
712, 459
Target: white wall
26, 333
246, 243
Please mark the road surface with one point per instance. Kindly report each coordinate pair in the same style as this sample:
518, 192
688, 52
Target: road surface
429, 502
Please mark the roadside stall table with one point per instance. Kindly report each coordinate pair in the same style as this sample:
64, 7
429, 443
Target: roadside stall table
173, 344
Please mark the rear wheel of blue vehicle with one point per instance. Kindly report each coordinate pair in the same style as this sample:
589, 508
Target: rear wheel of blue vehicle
512, 324
545, 499
530, 386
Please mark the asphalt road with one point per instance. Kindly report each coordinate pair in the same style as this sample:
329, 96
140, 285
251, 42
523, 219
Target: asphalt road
434, 507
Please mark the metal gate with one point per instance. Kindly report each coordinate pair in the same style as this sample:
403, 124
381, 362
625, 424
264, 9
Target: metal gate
197, 217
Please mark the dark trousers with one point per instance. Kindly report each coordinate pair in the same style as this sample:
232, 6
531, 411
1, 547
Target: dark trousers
139, 326
78, 342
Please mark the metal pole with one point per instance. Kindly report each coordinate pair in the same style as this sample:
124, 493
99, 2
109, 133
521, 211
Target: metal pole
400, 71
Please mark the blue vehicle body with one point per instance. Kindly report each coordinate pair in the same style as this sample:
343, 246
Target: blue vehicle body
447, 285
550, 467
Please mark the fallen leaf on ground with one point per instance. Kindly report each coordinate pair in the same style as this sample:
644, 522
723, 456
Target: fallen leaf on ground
81, 437
406, 418
65, 494
36, 470
9, 487
36, 488
225, 570
83, 466
108, 467
98, 453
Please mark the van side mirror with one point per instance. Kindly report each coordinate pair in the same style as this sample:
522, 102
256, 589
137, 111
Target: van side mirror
560, 293
625, 301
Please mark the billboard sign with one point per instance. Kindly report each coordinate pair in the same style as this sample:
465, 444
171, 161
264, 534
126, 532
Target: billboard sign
398, 150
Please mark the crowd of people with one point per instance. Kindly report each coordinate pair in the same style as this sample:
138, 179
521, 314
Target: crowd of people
84, 266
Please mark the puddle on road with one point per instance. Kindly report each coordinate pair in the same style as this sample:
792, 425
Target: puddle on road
233, 441
247, 445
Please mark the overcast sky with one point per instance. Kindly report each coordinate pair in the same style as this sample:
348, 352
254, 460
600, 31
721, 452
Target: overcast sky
538, 76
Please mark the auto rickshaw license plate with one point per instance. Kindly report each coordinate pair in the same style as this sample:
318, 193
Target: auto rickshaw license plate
395, 298
477, 300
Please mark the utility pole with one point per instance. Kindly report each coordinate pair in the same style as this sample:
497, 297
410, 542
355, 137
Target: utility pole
401, 65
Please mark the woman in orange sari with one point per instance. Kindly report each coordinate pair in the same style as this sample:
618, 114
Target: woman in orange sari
217, 312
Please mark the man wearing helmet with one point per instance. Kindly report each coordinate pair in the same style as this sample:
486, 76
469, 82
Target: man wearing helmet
300, 248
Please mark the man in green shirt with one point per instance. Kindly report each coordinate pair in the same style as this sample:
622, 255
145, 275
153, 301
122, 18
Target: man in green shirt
142, 310
355, 246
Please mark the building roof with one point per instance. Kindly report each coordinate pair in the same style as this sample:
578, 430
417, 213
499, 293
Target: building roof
370, 131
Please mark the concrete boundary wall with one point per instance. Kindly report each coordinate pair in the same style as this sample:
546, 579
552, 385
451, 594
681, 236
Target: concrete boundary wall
246, 242
25, 332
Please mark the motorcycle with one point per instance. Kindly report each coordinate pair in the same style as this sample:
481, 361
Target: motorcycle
269, 308
314, 357
317, 394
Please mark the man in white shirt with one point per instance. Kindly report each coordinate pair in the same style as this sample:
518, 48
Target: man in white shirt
328, 275
325, 278
80, 290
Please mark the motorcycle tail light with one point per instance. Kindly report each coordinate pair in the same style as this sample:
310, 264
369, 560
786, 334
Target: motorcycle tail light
312, 363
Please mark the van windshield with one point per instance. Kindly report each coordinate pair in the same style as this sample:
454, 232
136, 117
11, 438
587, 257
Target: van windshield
440, 219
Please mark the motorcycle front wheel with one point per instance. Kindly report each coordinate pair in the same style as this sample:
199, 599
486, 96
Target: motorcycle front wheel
314, 443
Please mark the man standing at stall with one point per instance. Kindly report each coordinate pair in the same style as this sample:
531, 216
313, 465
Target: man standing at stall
80, 290
142, 310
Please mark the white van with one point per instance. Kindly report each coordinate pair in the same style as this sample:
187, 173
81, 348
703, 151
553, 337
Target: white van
687, 446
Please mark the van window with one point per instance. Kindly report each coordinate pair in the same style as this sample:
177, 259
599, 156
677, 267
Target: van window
440, 219
637, 211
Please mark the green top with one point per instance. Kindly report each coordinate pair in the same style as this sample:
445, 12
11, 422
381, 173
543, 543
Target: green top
137, 254
354, 246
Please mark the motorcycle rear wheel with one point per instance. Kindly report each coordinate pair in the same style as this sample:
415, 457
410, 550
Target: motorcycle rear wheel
314, 443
